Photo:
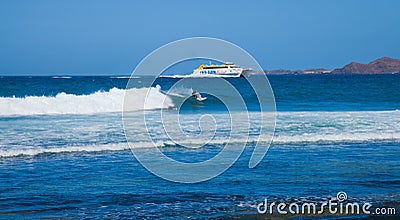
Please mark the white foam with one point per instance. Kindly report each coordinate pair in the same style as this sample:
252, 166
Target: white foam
199, 76
62, 77
98, 102
281, 140
334, 138
293, 128
124, 77
34, 150
68, 149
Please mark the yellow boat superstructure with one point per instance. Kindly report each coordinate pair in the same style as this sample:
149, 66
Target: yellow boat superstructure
227, 69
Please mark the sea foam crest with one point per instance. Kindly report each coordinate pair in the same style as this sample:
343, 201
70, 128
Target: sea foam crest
98, 102
283, 141
178, 76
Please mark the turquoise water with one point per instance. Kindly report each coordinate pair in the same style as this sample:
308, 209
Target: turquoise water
63, 151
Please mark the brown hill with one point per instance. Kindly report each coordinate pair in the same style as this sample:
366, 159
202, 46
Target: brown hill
381, 65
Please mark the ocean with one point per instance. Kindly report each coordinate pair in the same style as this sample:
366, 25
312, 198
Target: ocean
64, 153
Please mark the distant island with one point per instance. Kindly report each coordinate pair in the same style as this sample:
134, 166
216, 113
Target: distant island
381, 65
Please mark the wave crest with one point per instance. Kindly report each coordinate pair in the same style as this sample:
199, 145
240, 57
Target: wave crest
98, 102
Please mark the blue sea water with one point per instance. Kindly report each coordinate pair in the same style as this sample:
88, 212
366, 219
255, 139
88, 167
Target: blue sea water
63, 151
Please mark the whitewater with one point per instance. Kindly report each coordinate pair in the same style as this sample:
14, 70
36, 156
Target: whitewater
104, 132
98, 102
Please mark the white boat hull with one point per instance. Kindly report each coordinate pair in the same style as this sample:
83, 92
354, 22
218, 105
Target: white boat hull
222, 72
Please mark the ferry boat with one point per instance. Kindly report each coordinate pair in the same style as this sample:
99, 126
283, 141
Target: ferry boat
227, 69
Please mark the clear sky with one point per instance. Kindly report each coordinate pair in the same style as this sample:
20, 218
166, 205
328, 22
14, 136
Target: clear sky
111, 37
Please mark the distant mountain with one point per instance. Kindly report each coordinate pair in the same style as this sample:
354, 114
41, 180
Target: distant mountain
381, 65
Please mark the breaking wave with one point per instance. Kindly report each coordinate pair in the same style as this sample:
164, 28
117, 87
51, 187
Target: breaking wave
178, 76
98, 102
62, 77
277, 141
124, 77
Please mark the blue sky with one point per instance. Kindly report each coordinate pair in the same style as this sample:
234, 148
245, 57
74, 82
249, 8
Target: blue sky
111, 37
